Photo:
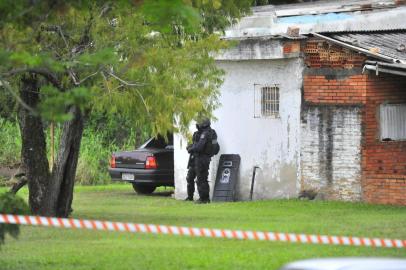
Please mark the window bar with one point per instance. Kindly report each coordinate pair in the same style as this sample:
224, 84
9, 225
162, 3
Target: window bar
269, 98
277, 100
270, 101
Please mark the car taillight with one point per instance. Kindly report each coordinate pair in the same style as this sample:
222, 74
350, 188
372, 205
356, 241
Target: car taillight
113, 161
150, 163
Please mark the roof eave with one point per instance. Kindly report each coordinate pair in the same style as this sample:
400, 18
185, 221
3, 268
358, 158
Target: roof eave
355, 48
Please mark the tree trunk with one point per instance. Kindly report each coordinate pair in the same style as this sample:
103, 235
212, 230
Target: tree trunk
49, 194
33, 149
60, 193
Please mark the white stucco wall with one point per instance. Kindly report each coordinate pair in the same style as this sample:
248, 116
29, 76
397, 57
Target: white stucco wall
270, 143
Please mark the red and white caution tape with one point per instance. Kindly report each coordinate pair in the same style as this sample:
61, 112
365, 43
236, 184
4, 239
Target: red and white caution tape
200, 232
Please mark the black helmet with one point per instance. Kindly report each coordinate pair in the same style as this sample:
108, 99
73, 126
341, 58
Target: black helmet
204, 123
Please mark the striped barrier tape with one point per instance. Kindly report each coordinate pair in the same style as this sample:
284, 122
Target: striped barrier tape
200, 232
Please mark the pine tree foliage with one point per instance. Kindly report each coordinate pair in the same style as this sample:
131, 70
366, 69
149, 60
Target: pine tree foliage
11, 204
148, 60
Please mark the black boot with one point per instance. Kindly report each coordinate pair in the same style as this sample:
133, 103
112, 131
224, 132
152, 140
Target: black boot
190, 199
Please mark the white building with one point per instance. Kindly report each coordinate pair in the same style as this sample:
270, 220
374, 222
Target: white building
260, 113
263, 134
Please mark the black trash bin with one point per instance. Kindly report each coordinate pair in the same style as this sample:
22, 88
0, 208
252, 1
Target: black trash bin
226, 178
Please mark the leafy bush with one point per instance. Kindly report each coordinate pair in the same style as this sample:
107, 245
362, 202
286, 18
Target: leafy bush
3, 181
112, 130
94, 157
98, 143
93, 160
11, 204
10, 143
8, 105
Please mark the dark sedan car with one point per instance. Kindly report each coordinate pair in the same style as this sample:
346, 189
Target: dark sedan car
148, 167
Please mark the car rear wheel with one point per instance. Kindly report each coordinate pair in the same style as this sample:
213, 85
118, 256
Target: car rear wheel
143, 189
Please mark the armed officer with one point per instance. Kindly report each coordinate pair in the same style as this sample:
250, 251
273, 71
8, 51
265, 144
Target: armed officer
199, 162
191, 174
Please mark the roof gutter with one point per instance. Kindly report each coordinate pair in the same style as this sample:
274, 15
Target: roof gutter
396, 66
343, 44
384, 68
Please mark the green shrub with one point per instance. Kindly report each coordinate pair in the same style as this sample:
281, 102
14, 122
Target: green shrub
93, 160
8, 105
10, 143
3, 181
95, 151
94, 157
11, 204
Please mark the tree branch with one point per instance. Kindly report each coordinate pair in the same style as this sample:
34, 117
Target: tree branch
105, 9
63, 36
56, 29
75, 80
73, 76
131, 84
19, 184
47, 74
17, 97
105, 81
124, 82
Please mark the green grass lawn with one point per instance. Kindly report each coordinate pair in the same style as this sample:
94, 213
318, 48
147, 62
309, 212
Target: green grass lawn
45, 248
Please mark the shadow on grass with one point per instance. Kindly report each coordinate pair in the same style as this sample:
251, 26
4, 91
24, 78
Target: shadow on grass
161, 193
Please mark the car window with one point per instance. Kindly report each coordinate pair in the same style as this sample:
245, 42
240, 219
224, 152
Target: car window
159, 142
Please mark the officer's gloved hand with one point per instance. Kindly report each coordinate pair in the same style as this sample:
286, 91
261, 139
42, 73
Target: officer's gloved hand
189, 148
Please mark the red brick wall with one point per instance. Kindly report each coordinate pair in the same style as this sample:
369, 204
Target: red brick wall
385, 189
327, 89
319, 89
321, 54
383, 163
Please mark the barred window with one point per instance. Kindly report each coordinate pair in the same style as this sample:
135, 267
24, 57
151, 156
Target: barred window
270, 101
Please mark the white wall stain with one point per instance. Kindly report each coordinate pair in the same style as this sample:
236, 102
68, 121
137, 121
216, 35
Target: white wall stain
331, 151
